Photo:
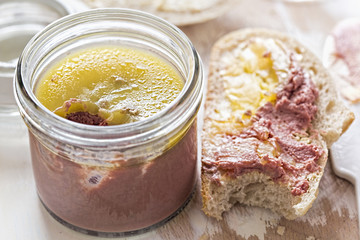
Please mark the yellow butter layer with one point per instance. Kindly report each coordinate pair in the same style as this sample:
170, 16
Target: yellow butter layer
251, 73
250, 80
119, 84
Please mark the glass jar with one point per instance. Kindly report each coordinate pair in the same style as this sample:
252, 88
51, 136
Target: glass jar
20, 20
121, 179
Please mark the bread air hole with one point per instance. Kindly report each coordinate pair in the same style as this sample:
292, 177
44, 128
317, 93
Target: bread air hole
330, 106
298, 50
313, 70
320, 86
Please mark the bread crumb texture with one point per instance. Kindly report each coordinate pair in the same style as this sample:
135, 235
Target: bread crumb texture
280, 230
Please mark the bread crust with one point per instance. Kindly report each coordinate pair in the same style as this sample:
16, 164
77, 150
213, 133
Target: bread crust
255, 188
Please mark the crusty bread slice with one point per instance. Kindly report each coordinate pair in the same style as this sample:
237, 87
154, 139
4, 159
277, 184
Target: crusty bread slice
225, 179
341, 55
180, 13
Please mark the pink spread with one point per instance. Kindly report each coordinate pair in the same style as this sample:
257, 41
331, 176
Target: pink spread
280, 125
116, 199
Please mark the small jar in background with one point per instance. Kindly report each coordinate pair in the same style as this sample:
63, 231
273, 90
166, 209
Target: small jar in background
20, 20
121, 179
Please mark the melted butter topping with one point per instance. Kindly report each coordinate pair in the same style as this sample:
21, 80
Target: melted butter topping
252, 76
118, 84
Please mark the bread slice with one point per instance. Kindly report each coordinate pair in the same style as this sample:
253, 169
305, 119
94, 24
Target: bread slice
341, 55
271, 113
180, 13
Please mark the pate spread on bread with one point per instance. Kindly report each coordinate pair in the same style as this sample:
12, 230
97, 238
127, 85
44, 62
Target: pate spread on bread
271, 113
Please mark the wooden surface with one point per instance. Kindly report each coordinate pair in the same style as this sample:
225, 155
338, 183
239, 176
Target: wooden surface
333, 215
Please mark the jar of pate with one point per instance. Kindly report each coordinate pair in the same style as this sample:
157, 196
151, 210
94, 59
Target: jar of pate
120, 179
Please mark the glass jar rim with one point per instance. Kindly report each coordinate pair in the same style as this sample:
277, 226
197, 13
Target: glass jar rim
174, 115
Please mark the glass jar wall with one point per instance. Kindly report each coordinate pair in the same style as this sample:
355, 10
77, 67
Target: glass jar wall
121, 179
